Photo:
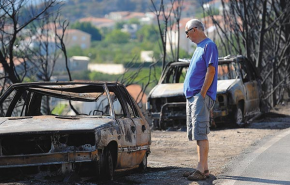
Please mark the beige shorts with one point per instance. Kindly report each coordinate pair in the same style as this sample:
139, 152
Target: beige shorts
198, 116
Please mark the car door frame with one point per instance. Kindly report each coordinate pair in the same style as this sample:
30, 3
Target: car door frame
250, 86
127, 141
142, 127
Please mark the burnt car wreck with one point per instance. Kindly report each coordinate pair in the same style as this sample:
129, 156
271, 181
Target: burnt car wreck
237, 94
73, 126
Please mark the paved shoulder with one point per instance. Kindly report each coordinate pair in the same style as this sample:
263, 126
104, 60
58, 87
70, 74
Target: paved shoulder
267, 164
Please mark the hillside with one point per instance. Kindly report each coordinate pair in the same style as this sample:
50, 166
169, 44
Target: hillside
75, 9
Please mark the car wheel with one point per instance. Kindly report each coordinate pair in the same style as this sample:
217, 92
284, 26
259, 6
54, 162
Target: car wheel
107, 166
239, 117
143, 164
162, 125
155, 125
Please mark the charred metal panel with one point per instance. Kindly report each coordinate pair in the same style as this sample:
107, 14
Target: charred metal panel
224, 85
167, 90
252, 97
130, 157
53, 123
25, 144
128, 137
45, 143
47, 159
143, 132
73, 142
105, 135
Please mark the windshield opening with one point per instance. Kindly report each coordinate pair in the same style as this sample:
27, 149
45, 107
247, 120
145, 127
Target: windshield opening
226, 71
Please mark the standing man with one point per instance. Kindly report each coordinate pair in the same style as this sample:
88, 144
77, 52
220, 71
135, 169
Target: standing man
200, 86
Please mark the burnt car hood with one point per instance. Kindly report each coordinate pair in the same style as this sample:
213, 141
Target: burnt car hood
167, 90
50, 124
224, 85
171, 90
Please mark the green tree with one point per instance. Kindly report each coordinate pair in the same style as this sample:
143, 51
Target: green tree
88, 28
183, 54
148, 33
75, 51
134, 21
119, 25
117, 36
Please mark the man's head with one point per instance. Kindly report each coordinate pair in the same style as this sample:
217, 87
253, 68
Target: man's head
194, 30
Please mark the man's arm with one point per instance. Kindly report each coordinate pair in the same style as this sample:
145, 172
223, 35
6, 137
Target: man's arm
208, 80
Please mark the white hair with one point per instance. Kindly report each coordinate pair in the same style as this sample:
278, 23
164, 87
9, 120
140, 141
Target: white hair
194, 23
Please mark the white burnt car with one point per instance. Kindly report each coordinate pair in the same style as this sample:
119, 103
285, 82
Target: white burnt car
95, 127
237, 93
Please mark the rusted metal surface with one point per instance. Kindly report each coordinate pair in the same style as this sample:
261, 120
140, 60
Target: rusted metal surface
224, 85
47, 159
131, 157
167, 90
171, 115
52, 123
43, 139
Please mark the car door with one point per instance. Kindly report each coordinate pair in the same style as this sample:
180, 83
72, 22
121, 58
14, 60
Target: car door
251, 87
142, 128
127, 139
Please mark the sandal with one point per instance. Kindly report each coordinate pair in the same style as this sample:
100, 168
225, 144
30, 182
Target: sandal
186, 174
196, 176
206, 173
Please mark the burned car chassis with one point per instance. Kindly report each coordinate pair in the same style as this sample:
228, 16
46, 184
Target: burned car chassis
237, 94
68, 124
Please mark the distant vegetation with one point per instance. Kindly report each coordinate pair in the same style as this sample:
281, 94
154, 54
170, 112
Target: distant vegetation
88, 28
76, 9
114, 46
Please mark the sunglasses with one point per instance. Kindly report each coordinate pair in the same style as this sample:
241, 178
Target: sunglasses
186, 32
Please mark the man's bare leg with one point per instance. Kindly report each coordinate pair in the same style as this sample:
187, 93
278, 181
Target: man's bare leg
202, 152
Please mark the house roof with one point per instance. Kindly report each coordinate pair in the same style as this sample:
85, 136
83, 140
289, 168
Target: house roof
134, 90
132, 15
16, 61
96, 20
72, 31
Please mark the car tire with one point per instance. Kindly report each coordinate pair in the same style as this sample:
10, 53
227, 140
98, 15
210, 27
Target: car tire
239, 117
107, 166
162, 125
155, 124
143, 164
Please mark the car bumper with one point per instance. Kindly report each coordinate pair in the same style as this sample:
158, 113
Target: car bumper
220, 113
162, 115
48, 159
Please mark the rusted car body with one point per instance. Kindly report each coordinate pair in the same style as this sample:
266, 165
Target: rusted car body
237, 93
72, 125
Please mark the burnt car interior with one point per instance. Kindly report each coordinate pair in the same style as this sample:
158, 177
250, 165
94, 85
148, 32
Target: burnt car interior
175, 73
227, 71
90, 100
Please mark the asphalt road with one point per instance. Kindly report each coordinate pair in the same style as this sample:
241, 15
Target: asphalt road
268, 163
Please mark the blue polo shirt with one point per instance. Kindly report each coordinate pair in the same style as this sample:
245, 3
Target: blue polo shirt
205, 54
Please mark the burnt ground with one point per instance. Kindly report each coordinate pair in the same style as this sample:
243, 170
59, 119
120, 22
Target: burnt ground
172, 155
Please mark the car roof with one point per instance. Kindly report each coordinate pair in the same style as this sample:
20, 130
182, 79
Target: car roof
28, 84
221, 60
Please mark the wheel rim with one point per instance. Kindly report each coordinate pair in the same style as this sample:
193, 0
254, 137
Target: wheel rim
239, 118
145, 162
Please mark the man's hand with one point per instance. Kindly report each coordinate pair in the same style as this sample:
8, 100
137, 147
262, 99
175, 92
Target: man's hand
203, 94
208, 80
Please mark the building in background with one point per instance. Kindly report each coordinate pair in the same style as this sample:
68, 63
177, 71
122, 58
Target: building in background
107, 68
74, 37
99, 22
